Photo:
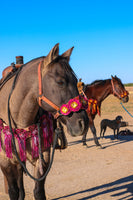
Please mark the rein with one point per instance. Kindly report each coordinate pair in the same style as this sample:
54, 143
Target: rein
13, 138
126, 109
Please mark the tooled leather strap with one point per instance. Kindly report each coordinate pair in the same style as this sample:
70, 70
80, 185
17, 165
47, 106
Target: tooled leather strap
114, 91
41, 97
84, 94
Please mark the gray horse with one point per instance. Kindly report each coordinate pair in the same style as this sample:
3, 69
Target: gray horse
48, 82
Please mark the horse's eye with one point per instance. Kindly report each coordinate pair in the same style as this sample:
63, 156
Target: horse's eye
61, 83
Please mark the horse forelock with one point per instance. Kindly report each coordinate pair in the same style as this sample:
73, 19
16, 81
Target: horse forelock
118, 80
64, 63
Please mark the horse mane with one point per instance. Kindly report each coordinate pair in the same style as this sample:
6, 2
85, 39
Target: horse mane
96, 82
102, 82
34, 59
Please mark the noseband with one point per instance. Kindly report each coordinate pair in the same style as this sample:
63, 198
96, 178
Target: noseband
74, 105
120, 96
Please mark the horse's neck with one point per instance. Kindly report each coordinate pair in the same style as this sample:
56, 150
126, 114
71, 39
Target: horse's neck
99, 91
26, 103
106, 90
23, 102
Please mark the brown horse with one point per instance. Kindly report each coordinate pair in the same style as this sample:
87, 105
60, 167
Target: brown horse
56, 86
98, 91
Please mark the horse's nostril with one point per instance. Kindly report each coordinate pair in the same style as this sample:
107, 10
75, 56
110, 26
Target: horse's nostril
125, 100
81, 124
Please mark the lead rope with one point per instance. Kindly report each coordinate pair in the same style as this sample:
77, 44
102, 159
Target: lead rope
126, 109
14, 144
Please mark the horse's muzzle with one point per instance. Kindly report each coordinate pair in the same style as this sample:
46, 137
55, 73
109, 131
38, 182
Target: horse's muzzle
125, 99
77, 124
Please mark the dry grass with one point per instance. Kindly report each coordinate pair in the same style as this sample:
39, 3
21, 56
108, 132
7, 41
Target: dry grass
111, 105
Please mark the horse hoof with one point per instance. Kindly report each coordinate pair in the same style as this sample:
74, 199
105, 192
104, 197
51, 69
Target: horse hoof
99, 146
84, 144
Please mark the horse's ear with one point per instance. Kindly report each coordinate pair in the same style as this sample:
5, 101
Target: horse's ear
67, 54
112, 77
52, 54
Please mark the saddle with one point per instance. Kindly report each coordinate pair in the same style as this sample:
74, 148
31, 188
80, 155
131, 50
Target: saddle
10, 71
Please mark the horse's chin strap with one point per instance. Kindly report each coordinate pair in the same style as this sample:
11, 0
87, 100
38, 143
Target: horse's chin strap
114, 91
43, 98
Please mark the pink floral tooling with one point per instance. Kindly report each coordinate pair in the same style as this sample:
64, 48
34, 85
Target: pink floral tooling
74, 105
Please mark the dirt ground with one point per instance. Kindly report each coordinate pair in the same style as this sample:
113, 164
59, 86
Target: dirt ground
80, 172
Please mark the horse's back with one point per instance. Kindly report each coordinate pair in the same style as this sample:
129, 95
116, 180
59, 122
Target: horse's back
28, 69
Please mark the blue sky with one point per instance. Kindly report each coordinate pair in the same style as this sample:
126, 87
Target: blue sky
100, 31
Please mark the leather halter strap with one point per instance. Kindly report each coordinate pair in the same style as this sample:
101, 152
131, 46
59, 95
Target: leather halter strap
114, 91
41, 97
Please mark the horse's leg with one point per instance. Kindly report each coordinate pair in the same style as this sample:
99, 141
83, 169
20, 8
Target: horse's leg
39, 190
93, 129
85, 134
10, 175
84, 138
20, 182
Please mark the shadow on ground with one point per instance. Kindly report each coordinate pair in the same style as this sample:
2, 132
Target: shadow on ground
116, 189
112, 142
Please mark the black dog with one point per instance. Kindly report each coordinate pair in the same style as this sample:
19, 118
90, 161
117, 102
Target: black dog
113, 124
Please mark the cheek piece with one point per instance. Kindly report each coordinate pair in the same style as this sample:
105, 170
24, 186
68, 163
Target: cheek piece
73, 105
